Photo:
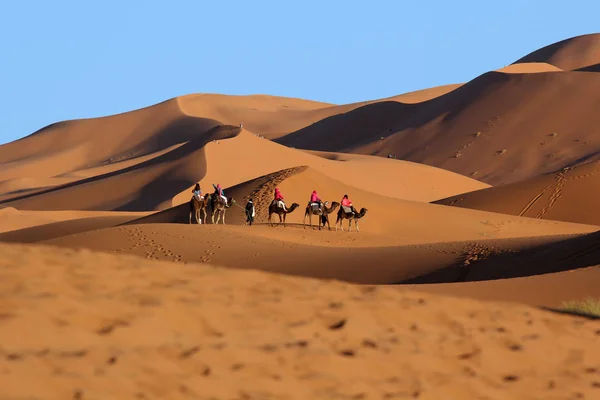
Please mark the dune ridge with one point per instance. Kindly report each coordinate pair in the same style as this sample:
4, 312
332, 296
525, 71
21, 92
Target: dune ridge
568, 54
499, 127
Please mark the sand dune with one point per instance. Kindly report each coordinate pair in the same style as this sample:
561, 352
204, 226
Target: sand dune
226, 156
147, 186
175, 331
389, 226
498, 128
529, 68
567, 195
568, 54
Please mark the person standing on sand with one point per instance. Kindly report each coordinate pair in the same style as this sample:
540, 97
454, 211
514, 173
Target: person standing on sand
250, 212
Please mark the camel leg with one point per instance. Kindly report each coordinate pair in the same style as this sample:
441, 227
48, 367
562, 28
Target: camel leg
269, 219
356, 223
223, 217
284, 215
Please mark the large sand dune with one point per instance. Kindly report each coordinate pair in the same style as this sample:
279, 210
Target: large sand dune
499, 127
568, 54
569, 194
226, 156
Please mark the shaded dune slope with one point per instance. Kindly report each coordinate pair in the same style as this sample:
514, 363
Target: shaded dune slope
570, 194
147, 186
568, 54
569, 254
498, 128
232, 156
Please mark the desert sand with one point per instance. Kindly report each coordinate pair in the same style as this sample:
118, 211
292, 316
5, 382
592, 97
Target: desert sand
121, 327
570, 194
475, 219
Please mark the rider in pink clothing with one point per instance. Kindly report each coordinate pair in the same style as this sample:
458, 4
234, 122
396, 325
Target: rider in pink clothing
348, 204
314, 197
278, 198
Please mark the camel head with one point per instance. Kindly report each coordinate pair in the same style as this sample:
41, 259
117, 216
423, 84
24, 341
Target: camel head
293, 207
331, 209
362, 213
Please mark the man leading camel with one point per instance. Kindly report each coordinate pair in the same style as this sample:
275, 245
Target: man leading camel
278, 198
347, 205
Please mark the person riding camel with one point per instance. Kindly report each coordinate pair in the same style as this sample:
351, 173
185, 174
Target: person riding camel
347, 205
314, 199
219, 192
197, 192
278, 199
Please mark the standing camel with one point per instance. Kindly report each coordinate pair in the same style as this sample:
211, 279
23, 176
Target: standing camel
342, 215
275, 209
197, 207
322, 213
218, 207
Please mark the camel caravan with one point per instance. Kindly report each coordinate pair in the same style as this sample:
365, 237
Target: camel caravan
219, 203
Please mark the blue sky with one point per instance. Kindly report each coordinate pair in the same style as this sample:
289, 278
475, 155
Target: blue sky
63, 60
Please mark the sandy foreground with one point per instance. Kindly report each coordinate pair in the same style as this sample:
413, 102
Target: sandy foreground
119, 326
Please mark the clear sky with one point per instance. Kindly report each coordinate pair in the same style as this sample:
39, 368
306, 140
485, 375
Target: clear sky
76, 59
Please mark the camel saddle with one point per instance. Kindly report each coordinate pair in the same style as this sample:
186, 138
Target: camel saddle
347, 210
278, 204
315, 207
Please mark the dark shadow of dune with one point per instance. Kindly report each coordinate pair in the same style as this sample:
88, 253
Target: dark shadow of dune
155, 192
572, 253
59, 229
590, 68
374, 121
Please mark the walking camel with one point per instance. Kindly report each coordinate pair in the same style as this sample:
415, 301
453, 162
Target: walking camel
275, 209
218, 207
197, 207
323, 213
342, 215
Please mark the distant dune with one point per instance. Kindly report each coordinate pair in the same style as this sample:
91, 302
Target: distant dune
569, 54
498, 128
529, 68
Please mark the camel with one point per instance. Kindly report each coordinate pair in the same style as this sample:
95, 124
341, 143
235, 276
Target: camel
275, 209
197, 206
342, 215
323, 214
218, 207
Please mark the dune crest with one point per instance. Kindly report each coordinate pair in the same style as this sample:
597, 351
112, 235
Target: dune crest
529, 68
569, 54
